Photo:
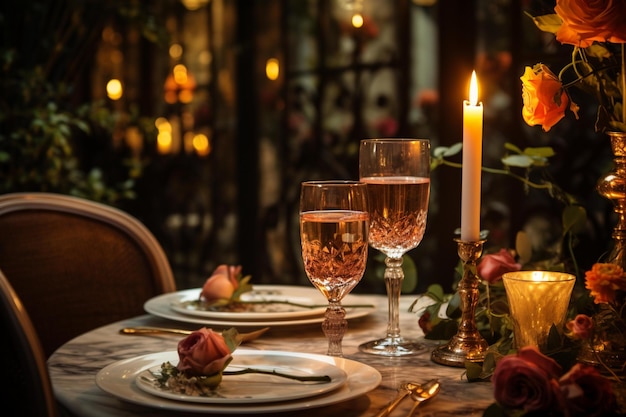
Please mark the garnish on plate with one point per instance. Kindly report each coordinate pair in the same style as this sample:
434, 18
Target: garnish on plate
222, 292
203, 357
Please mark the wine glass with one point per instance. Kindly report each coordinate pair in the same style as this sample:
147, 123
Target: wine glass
397, 174
334, 226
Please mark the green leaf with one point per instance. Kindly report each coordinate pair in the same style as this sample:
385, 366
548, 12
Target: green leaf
494, 410
574, 219
444, 330
512, 147
523, 247
454, 306
540, 152
522, 161
435, 291
473, 371
410, 274
548, 23
231, 339
447, 151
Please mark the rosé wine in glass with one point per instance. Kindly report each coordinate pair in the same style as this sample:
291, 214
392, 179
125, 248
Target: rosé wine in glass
398, 210
334, 229
397, 174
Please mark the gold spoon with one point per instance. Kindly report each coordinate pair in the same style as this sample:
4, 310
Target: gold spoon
405, 390
244, 337
425, 392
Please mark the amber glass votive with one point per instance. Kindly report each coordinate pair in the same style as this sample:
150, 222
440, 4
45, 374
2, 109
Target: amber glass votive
537, 300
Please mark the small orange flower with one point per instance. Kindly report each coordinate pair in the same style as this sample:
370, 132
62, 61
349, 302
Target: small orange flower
603, 280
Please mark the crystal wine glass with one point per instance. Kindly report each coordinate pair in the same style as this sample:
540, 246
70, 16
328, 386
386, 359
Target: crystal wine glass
397, 174
334, 226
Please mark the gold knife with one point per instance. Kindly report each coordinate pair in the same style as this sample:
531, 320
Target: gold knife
145, 330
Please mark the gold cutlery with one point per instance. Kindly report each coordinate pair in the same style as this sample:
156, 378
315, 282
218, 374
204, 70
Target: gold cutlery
405, 390
426, 392
145, 330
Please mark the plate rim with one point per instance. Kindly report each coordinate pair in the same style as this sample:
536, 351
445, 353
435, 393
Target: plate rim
340, 378
362, 378
219, 315
159, 306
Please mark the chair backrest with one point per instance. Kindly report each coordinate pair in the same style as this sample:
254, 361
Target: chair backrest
27, 390
77, 264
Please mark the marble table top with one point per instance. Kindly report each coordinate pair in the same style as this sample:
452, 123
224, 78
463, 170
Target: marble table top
73, 367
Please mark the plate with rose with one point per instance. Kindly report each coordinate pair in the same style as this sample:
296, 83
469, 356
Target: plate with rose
132, 380
251, 386
264, 305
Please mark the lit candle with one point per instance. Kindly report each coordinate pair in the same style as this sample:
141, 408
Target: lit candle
472, 163
537, 300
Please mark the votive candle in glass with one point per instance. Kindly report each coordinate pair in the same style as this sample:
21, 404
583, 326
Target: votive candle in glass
537, 300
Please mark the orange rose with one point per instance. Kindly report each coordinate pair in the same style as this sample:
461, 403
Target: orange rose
545, 100
222, 284
203, 353
604, 280
586, 21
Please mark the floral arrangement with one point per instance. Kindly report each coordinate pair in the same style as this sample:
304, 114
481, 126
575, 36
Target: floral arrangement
605, 328
555, 383
203, 357
597, 33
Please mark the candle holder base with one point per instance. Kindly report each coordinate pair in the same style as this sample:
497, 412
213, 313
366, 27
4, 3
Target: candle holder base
467, 345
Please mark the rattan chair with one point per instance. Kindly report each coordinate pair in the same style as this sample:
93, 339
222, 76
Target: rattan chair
77, 264
27, 390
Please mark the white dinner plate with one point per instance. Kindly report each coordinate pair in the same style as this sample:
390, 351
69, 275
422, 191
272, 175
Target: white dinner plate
274, 310
251, 388
161, 306
119, 380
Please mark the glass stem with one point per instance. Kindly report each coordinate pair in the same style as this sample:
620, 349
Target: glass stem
394, 275
334, 327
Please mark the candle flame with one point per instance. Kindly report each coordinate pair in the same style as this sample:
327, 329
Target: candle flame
473, 90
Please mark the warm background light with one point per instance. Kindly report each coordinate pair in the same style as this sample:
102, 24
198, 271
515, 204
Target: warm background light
114, 89
272, 69
164, 137
201, 144
357, 20
176, 51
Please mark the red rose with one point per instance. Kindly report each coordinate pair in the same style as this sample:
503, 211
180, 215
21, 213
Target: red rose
222, 284
544, 98
424, 322
527, 380
586, 21
581, 327
586, 392
203, 353
492, 266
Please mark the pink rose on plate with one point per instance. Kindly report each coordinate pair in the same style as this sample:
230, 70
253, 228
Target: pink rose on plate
581, 327
527, 380
222, 284
587, 393
203, 353
492, 266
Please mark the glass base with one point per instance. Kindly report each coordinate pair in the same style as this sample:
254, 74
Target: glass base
392, 346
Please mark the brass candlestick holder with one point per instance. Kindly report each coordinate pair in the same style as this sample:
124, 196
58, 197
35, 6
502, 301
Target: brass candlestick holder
467, 344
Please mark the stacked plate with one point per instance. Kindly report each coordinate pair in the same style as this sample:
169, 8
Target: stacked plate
274, 305
134, 380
